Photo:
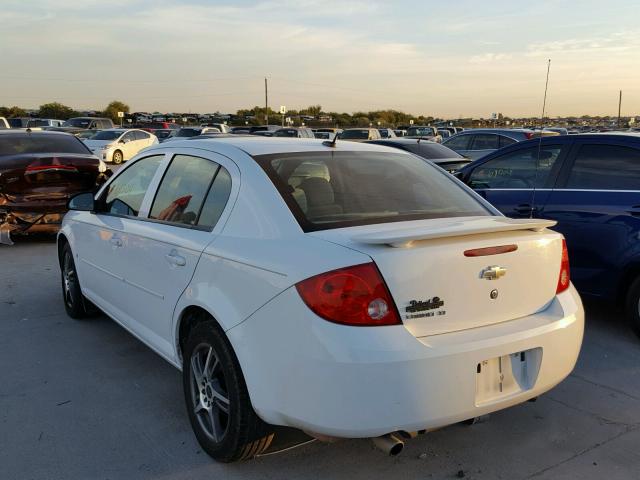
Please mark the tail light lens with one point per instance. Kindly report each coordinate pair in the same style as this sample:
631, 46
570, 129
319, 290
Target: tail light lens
528, 135
564, 279
354, 296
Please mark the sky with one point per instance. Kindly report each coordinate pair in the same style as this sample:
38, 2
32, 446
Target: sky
445, 59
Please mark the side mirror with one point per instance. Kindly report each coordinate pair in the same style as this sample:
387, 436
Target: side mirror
83, 202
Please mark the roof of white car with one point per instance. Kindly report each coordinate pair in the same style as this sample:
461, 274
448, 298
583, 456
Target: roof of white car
256, 145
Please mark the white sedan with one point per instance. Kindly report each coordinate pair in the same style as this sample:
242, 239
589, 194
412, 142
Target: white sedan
350, 291
119, 144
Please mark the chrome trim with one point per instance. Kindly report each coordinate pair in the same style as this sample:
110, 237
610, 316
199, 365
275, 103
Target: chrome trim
493, 272
556, 190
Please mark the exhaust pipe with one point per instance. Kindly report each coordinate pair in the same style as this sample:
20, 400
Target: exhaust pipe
389, 444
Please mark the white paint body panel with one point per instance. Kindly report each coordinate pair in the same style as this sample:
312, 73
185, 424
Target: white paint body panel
364, 382
301, 370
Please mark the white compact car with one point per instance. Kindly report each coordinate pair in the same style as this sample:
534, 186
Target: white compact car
119, 144
347, 290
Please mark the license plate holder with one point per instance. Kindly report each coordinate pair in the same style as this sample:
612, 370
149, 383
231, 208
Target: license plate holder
501, 377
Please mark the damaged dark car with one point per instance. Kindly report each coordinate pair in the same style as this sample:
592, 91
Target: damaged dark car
39, 172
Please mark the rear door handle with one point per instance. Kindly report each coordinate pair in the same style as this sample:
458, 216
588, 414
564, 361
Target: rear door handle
116, 241
174, 259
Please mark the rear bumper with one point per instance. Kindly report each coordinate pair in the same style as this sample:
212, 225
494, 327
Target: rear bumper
304, 372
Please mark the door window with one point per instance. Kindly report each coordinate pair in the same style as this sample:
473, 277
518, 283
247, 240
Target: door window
140, 135
128, 137
216, 199
126, 192
461, 142
519, 169
183, 189
485, 141
606, 167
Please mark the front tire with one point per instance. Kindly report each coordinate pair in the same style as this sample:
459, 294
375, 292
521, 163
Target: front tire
217, 400
74, 302
117, 157
633, 306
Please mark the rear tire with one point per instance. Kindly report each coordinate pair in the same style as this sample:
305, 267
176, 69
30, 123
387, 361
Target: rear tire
632, 306
217, 400
74, 302
117, 157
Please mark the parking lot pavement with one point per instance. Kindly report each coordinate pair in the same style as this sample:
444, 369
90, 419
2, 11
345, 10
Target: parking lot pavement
85, 400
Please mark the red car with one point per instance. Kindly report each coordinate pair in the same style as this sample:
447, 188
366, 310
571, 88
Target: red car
39, 172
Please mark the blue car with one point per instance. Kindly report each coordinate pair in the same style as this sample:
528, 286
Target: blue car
590, 184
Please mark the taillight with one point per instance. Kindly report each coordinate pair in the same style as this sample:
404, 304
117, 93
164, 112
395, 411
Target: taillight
528, 135
354, 296
564, 279
53, 164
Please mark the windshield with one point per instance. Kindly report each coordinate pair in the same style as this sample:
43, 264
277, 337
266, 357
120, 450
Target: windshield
355, 134
41, 143
340, 189
421, 132
188, 132
77, 122
107, 135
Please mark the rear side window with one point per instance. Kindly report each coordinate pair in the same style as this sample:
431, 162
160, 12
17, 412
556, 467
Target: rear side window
41, 143
460, 142
126, 192
339, 189
485, 141
518, 170
216, 199
183, 189
606, 167
504, 141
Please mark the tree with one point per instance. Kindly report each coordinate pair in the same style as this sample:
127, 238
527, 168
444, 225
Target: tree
13, 112
313, 110
56, 110
113, 108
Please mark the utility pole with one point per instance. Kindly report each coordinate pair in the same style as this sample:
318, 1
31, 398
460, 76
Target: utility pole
619, 107
266, 103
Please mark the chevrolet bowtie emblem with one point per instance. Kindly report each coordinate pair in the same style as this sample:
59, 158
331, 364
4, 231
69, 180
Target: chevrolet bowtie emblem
493, 273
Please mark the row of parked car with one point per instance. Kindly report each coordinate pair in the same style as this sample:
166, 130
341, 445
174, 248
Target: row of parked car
589, 183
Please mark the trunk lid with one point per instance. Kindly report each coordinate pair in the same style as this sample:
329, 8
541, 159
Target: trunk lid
45, 180
442, 272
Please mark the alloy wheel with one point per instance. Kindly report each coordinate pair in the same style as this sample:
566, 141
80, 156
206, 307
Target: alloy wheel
69, 279
209, 393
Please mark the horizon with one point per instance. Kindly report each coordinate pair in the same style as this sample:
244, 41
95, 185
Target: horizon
452, 62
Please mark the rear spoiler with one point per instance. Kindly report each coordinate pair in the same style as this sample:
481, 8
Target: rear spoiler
452, 227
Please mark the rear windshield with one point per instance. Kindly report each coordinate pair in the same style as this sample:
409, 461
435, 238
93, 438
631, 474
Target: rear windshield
420, 131
77, 122
285, 133
432, 151
188, 132
355, 134
327, 190
41, 143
